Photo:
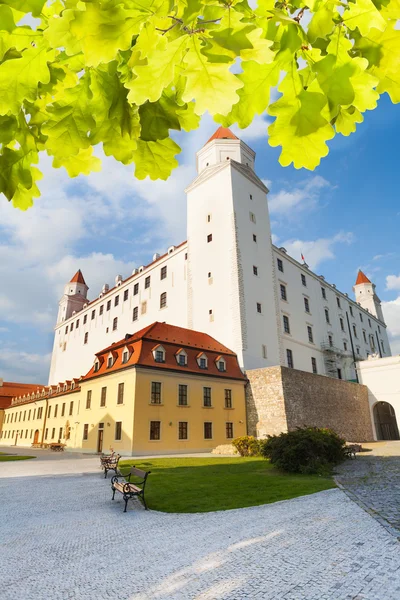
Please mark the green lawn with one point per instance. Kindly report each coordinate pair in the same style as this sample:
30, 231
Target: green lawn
8, 457
206, 484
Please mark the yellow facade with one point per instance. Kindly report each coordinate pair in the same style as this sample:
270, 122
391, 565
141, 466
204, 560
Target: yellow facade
125, 421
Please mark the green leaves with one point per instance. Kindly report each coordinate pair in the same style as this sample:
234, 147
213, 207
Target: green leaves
125, 73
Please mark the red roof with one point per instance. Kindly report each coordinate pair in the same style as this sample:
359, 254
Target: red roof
141, 346
222, 133
362, 278
78, 278
9, 390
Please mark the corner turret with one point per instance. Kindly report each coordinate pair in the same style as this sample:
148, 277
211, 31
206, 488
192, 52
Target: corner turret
75, 296
364, 291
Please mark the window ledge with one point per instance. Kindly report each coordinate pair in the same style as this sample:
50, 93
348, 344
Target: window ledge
208, 407
183, 405
229, 408
156, 403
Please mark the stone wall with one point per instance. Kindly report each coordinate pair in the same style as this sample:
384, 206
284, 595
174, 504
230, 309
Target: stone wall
281, 399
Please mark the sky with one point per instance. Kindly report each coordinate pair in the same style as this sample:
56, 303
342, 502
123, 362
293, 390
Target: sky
343, 216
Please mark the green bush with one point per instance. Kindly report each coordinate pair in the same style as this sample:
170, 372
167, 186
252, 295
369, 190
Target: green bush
306, 450
247, 445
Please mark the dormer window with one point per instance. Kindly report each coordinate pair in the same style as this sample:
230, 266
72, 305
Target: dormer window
110, 362
181, 358
65, 387
96, 366
202, 361
221, 364
159, 354
125, 356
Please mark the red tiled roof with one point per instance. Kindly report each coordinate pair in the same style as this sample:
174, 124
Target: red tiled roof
362, 278
222, 133
10, 389
173, 339
78, 278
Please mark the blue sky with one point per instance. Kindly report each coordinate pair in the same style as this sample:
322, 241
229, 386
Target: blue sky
343, 216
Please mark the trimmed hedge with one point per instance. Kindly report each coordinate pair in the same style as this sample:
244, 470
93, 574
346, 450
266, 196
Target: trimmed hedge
306, 450
247, 445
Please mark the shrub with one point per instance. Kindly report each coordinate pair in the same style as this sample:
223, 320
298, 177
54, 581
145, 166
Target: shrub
305, 450
247, 445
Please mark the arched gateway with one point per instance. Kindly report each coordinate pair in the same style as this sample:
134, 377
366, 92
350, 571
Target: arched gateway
385, 422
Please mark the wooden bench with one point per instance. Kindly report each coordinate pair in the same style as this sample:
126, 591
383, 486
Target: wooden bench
109, 463
57, 447
351, 450
128, 489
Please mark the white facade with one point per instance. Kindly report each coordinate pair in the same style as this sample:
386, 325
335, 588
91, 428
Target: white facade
226, 281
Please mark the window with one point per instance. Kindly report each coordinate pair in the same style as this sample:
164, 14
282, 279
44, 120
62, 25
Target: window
251, 197
252, 217
208, 218
209, 238
221, 365
365, 337
202, 362
341, 324
383, 347
323, 292
283, 292
116, 300
306, 305
85, 431
289, 358
120, 398
125, 357
351, 311
264, 351
147, 282
155, 427
345, 346
182, 395
327, 315
135, 289
379, 329
77, 323
355, 331
126, 295
286, 325
135, 313
155, 392
163, 300
115, 323
314, 365
207, 396
259, 308
60, 433
45, 434
330, 339
183, 430
303, 280
93, 314
62, 410
108, 304
229, 430
72, 327
71, 408
48, 413
228, 398
103, 396
338, 301
118, 431
208, 431
310, 334
254, 238
358, 350
110, 361
255, 270
280, 265
339, 373
361, 317
182, 359
101, 309
88, 398
86, 338
369, 322
163, 273
96, 366
159, 356
85, 319
144, 307
66, 329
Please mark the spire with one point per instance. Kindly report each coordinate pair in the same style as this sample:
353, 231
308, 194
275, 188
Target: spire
222, 133
362, 278
78, 278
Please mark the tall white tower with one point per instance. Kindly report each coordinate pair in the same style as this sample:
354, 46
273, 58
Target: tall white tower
364, 291
231, 287
75, 296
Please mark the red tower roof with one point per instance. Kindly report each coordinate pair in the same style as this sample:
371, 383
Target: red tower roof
362, 278
78, 278
222, 133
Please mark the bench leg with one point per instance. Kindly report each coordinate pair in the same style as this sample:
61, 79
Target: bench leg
113, 494
105, 473
126, 502
144, 502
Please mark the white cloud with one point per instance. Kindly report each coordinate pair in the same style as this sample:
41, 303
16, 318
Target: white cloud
305, 196
24, 367
393, 282
317, 251
391, 311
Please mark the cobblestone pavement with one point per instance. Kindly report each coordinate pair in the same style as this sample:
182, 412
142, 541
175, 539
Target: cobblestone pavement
373, 480
62, 538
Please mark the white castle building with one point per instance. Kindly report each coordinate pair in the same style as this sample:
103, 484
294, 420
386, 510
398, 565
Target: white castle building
230, 281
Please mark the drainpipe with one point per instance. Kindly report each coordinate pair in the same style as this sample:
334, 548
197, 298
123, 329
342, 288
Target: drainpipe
379, 346
45, 419
352, 346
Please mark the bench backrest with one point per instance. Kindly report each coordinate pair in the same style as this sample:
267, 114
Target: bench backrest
139, 473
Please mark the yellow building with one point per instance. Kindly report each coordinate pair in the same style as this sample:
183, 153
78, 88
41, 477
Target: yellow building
164, 389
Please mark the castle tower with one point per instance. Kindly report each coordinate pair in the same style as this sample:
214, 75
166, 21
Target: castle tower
365, 295
75, 296
231, 292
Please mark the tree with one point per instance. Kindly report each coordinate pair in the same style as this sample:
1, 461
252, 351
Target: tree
124, 73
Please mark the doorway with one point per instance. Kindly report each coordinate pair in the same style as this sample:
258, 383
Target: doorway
385, 422
100, 436
36, 437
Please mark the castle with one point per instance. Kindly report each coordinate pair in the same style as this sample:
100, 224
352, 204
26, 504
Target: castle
229, 281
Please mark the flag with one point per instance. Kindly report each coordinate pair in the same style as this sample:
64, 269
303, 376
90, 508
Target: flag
302, 258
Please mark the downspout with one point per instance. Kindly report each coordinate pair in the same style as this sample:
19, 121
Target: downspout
379, 346
352, 346
45, 419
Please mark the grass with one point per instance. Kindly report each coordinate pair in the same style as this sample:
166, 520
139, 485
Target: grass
191, 485
9, 457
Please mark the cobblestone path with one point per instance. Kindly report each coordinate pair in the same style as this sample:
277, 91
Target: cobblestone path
61, 538
374, 481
